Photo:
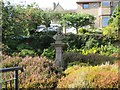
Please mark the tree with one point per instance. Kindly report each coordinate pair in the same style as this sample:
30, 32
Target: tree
78, 20
55, 16
113, 28
19, 20
46, 18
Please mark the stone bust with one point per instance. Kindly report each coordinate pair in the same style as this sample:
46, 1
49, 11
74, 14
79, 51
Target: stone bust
58, 37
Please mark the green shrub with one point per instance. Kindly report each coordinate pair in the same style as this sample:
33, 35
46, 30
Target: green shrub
23, 46
90, 59
86, 41
103, 76
49, 53
40, 41
106, 50
37, 42
25, 52
91, 43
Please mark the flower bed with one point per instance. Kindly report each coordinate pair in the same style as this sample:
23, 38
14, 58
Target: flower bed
38, 72
103, 76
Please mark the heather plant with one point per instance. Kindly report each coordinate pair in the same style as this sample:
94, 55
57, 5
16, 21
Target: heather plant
38, 72
103, 76
8, 61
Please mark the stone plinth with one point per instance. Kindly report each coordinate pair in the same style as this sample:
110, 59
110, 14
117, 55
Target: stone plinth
58, 55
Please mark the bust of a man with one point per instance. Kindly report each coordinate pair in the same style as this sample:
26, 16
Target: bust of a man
58, 37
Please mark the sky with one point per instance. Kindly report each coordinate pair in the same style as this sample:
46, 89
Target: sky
66, 4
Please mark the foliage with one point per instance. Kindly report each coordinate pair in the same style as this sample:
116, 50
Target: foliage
36, 42
38, 72
91, 43
41, 41
112, 30
86, 41
25, 52
78, 20
56, 16
19, 26
19, 21
23, 46
116, 13
103, 76
49, 53
46, 18
94, 55
89, 59
73, 40
82, 30
106, 50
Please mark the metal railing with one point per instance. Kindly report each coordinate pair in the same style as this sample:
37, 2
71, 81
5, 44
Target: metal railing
15, 79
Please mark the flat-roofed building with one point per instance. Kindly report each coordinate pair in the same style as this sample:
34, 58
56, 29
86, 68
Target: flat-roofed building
100, 9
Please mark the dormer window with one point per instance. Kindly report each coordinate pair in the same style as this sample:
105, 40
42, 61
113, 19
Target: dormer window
85, 6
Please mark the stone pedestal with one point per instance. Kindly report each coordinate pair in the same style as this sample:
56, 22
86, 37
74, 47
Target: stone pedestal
58, 55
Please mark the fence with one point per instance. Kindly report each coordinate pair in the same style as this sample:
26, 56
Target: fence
15, 79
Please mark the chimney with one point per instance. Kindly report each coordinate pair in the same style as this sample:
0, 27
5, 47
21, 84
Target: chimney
54, 5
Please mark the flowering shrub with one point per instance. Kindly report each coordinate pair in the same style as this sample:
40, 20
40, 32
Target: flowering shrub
103, 76
38, 72
8, 61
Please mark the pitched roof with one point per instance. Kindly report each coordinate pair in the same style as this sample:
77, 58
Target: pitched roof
58, 6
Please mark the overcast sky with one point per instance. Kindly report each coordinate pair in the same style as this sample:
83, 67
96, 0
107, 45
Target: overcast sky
66, 4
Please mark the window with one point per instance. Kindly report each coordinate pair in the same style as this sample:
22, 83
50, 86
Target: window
105, 3
95, 5
86, 5
105, 21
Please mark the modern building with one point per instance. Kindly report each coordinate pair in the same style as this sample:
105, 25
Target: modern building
101, 9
